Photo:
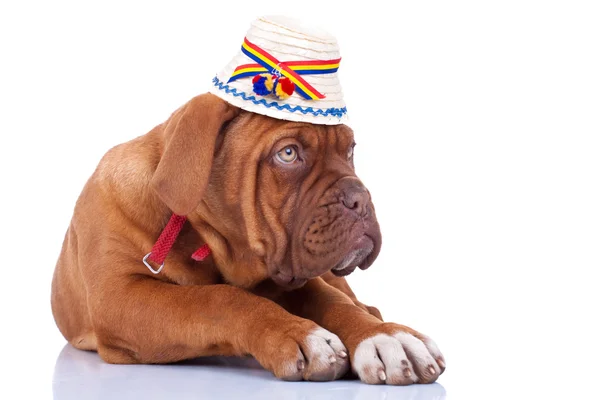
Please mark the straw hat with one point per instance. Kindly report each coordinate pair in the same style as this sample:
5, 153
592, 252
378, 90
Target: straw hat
286, 70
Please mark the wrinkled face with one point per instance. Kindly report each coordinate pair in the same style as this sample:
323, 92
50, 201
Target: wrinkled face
293, 193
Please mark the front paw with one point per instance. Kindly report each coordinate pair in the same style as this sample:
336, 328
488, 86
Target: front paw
303, 351
395, 355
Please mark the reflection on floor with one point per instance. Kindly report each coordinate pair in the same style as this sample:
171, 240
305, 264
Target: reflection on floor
79, 374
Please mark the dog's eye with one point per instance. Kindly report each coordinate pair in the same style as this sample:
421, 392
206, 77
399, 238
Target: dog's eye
287, 155
350, 152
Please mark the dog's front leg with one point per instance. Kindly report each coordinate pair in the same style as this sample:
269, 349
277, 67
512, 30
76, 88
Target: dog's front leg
144, 320
340, 284
380, 352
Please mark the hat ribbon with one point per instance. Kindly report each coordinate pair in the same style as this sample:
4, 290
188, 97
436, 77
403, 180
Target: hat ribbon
290, 69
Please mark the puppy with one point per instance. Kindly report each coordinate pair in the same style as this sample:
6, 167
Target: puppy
285, 216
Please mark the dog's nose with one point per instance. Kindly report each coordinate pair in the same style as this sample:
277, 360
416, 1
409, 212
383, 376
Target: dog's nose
355, 196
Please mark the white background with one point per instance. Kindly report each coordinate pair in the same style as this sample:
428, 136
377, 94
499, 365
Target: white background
477, 126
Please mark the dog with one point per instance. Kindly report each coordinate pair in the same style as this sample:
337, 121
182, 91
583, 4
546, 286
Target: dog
285, 217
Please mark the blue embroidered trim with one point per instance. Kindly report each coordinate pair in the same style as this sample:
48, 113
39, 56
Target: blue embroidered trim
336, 112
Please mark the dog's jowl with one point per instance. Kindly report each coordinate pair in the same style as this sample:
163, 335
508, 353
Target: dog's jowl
258, 174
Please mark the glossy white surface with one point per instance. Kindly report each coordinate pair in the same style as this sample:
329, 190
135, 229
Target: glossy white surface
83, 374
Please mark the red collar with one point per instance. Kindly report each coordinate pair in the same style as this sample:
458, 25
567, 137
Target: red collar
165, 242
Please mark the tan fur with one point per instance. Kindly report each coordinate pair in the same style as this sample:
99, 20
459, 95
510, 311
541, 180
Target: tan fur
214, 163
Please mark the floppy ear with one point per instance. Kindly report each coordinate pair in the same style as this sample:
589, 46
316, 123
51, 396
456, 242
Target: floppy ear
190, 135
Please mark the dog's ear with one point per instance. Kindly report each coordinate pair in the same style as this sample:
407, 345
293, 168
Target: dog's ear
190, 135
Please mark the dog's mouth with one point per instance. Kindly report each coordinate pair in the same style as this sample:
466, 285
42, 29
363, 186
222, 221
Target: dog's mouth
357, 257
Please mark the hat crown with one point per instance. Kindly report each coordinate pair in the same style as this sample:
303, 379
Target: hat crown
287, 70
296, 28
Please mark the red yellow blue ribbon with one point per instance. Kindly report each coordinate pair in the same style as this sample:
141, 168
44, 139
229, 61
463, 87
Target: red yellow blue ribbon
265, 62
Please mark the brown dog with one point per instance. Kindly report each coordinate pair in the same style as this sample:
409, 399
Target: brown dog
285, 216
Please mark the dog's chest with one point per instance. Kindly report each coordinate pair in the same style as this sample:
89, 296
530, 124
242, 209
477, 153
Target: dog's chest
183, 270
189, 272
